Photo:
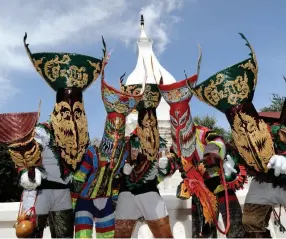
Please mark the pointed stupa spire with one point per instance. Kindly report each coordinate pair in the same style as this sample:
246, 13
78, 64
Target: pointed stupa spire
145, 50
143, 35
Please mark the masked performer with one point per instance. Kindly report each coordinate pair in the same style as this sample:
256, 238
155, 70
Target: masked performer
139, 195
17, 131
261, 147
62, 140
101, 165
192, 143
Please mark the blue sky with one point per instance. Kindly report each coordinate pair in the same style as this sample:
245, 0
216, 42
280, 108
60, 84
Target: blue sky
176, 26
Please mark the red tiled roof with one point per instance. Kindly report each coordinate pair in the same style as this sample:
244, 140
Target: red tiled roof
275, 115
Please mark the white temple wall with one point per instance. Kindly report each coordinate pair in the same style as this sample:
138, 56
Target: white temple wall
179, 211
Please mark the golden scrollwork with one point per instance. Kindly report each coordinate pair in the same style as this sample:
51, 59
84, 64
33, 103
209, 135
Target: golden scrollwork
131, 89
253, 141
52, 68
97, 69
149, 137
75, 76
253, 67
71, 143
232, 90
26, 159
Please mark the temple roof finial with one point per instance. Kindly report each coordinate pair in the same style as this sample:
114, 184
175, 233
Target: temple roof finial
142, 20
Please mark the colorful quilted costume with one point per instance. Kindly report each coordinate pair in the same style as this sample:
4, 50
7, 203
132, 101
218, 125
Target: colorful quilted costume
260, 146
96, 178
139, 196
62, 140
192, 144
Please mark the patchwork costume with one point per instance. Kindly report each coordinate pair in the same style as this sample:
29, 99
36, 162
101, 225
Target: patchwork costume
62, 140
191, 145
96, 180
139, 196
261, 147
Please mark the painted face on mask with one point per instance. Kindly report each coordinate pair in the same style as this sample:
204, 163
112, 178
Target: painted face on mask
118, 105
70, 127
178, 96
148, 133
182, 130
17, 131
113, 137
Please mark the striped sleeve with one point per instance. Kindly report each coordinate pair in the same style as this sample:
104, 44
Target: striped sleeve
86, 165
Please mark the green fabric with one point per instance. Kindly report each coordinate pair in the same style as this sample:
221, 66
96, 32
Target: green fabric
231, 86
135, 142
66, 70
278, 144
151, 98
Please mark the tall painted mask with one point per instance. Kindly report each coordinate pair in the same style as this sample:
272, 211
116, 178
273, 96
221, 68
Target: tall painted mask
69, 75
118, 106
231, 91
17, 131
147, 128
178, 96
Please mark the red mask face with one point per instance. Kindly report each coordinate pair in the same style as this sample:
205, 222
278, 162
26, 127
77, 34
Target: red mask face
178, 96
182, 130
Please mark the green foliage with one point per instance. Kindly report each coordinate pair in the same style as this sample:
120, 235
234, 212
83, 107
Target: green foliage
9, 189
211, 123
276, 104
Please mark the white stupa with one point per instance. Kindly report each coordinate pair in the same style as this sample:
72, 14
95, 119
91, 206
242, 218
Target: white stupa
145, 50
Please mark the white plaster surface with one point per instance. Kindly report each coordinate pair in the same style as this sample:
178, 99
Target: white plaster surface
179, 211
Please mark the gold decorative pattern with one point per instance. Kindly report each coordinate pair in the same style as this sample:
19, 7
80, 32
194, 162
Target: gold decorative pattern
70, 135
149, 137
253, 141
28, 158
232, 90
253, 67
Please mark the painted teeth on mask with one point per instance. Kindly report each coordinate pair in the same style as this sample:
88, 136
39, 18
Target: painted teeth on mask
188, 129
188, 147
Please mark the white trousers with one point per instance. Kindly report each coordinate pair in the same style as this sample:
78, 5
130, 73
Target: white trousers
265, 194
149, 205
47, 200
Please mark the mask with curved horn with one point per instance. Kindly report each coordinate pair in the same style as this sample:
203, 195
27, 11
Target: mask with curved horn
231, 91
69, 75
178, 96
118, 105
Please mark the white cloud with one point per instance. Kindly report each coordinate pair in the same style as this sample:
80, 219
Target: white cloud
53, 23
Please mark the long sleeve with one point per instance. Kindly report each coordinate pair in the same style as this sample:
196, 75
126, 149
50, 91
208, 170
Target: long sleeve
86, 166
80, 176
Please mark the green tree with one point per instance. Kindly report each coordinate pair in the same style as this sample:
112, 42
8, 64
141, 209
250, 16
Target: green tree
9, 189
211, 123
276, 105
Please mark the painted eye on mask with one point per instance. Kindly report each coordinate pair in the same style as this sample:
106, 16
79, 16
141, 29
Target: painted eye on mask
183, 118
173, 121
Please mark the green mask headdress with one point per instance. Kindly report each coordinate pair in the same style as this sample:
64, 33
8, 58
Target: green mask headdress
231, 91
69, 75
